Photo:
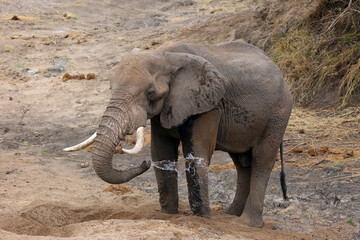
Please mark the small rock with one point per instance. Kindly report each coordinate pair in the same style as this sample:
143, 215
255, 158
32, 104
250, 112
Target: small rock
78, 101
277, 227
56, 69
217, 207
81, 76
84, 165
66, 77
10, 98
324, 149
10, 171
349, 154
69, 15
90, 76
15, 18
312, 152
47, 75
29, 71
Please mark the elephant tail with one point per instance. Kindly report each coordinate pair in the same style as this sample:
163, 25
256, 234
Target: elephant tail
282, 173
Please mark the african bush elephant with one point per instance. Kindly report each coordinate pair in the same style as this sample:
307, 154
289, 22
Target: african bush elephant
228, 97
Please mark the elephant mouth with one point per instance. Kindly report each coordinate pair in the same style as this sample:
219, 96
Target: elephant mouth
136, 149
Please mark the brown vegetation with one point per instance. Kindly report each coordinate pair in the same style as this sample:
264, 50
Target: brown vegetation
320, 55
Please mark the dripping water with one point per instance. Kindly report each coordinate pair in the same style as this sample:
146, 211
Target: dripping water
221, 184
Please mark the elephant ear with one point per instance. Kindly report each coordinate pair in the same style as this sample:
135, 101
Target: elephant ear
196, 87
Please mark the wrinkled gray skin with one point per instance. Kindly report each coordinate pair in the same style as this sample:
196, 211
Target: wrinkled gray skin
228, 97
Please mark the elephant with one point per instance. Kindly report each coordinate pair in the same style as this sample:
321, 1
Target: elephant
229, 97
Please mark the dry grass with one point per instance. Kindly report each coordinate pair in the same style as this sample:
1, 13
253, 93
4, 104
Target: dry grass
324, 127
334, 135
323, 54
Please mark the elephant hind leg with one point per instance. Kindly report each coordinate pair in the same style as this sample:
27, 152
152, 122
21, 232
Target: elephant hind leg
242, 162
264, 155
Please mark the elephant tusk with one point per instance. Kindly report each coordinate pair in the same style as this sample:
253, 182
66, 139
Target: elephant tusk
138, 146
81, 145
139, 142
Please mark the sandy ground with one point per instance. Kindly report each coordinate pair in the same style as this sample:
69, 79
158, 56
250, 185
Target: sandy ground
46, 194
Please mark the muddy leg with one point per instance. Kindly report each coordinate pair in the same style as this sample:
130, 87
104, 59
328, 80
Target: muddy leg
197, 179
198, 137
242, 162
164, 153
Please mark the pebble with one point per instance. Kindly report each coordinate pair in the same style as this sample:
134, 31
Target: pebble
78, 101
47, 75
56, 69
90, 76
29, 71
84, 165
277, 227
10, 98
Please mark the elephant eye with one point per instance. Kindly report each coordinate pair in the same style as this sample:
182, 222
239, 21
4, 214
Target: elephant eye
151, 94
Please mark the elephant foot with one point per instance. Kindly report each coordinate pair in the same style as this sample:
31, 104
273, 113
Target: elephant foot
200, 214
203, 211
234, 210
169, 210
256, 222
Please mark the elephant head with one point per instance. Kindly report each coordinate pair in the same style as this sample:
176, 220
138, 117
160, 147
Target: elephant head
146, 84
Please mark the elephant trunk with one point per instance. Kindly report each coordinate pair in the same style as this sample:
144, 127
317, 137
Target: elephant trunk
114, 124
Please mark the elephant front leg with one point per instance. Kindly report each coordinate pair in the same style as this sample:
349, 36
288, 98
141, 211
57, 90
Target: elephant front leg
198, 136
197, 179
164, 152
167, 180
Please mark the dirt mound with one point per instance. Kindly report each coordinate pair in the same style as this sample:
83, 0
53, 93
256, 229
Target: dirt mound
257, 24
57, 218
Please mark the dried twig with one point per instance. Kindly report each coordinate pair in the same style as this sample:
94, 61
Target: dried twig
347, 9
21, 161
335, 178
304, 143
318, 163
23, 115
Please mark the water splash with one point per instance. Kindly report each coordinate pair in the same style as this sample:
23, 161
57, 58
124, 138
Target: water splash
169, 165
222, 185
194, 162
166, 165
